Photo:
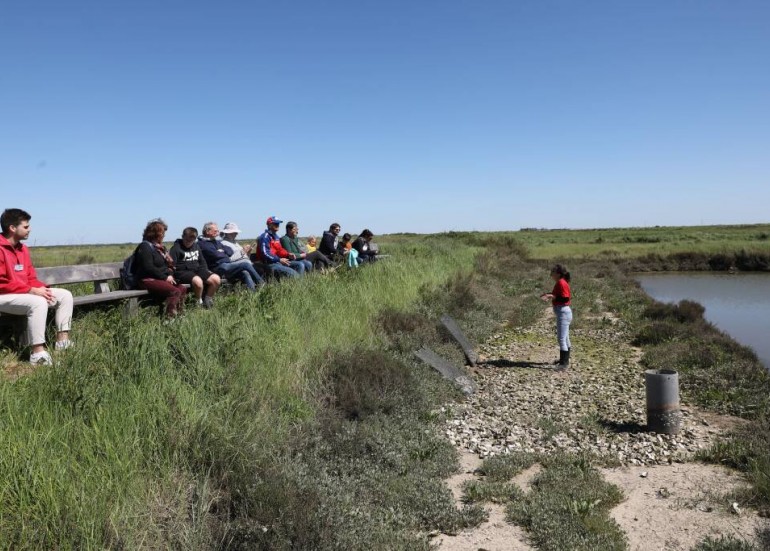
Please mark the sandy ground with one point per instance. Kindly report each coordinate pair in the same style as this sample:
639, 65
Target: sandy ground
672, 508
494, 535
667, 508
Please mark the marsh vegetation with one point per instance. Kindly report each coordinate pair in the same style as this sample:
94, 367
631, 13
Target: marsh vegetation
297, 418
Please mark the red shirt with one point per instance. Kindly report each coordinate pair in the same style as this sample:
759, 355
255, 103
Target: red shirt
561, 293
17, 275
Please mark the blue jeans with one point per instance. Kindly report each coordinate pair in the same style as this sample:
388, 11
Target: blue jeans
243, 271
563, 319
279, 270
301, 265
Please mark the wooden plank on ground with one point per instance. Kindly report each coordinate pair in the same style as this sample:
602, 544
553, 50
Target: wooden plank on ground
462, 340
447, 370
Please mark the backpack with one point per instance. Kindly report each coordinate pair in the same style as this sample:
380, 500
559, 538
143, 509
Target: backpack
128, 279
127, 275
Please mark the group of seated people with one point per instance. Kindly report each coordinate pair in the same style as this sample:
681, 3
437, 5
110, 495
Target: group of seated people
202, 261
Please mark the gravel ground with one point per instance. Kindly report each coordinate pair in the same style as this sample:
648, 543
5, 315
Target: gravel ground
597, 406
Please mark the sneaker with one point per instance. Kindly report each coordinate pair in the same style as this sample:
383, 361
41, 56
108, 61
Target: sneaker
208, 302
40, 358
64, 345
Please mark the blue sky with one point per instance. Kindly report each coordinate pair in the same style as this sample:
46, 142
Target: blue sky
416, 116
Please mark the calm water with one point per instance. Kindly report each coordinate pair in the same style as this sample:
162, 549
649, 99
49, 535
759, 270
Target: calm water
738, 304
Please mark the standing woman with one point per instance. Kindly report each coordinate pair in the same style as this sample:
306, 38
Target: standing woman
560, 298
155, 268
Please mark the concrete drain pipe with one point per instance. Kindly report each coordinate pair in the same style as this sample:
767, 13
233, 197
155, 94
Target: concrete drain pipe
663, 415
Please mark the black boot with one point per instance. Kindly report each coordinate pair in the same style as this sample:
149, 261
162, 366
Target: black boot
563, 360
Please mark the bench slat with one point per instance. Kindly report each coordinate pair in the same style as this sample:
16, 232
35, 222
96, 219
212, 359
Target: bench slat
106, 297
82, 273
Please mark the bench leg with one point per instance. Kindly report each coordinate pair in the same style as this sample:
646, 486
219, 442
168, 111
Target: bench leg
131, 308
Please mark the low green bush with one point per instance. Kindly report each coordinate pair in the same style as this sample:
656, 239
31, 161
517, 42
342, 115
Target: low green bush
724, 543
568, 506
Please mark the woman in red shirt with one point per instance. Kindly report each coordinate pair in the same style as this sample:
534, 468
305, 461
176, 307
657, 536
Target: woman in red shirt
560, 298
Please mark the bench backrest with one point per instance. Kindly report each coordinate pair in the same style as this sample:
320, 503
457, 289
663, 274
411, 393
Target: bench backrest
83, 273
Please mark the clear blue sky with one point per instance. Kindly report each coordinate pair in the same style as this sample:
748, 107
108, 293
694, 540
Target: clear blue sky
394, 115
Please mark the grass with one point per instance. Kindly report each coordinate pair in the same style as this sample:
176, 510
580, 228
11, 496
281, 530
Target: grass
655, 243
625, 243
297, 418
142, 424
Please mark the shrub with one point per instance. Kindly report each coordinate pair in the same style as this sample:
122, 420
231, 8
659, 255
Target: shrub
476, 491
686, 311
501, 468
752, 261
407, 331
659, 332
85, 259
367, 381
724, 543
568, 508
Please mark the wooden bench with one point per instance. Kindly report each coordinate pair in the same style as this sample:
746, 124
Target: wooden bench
100, 275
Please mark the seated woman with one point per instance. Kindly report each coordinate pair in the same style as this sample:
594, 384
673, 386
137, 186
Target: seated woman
155, 268
190, 267
365, 252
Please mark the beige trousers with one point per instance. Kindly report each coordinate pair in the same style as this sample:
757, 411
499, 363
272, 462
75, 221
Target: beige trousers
35, 308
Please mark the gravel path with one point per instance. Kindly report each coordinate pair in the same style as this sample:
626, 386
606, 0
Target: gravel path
597, 406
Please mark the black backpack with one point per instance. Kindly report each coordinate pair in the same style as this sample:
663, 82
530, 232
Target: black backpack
128, 279
127, 275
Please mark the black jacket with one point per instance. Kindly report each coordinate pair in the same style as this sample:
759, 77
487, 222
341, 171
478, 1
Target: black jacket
328, 244
150, 262
187, 259
362, 246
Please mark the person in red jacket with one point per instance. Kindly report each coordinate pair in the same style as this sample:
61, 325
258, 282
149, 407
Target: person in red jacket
561, 299
272, 254
23, 294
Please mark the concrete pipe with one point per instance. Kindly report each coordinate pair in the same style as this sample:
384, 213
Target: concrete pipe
663, 415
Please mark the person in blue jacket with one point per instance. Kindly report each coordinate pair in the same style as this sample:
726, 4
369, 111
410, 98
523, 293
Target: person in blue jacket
270, 252
217, 256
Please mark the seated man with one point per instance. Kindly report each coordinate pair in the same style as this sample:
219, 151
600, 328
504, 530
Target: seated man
190, 267
273, 255
217, 256
291, 243
22, 294
361, 244
229, 235
330, 242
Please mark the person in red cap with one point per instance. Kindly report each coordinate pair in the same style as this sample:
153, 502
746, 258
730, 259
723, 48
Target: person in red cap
23, 294
272, 254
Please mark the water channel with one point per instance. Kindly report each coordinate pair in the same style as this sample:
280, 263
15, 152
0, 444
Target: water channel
738, 304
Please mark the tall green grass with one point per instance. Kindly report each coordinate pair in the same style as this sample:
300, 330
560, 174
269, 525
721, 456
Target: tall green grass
132, 438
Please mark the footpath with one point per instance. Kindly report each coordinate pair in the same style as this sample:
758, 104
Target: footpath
596, 408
